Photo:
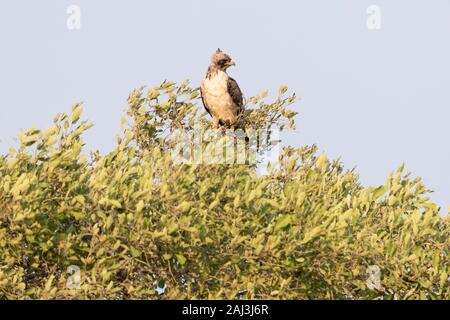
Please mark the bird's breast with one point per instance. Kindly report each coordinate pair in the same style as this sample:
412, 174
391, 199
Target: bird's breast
216, 94
217, 85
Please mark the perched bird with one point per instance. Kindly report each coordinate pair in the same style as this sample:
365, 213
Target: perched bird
220, 93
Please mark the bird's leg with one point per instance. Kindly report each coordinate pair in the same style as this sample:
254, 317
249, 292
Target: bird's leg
215, 123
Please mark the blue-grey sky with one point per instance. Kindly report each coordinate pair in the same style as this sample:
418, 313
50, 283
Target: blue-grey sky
374, 98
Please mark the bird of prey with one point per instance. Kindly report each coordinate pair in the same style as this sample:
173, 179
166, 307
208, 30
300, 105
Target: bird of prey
220, 93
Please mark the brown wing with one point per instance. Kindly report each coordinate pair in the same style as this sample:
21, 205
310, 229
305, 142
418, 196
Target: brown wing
236, 95
204, 102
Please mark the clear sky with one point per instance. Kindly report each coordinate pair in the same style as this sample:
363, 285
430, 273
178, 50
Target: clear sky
374, 98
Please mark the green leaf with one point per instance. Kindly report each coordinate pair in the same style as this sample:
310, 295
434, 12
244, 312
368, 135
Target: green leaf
29, 140
76, 113
181, 259
284, 221
135, 252
436, 259
380, 191
115, 203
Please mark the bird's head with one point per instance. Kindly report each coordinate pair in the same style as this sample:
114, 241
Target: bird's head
221, 60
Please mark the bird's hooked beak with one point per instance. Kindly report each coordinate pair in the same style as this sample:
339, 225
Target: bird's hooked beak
231, 63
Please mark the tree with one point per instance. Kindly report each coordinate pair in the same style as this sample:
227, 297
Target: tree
139, 225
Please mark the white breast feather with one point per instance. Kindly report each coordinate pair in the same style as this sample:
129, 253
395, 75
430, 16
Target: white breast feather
215, 92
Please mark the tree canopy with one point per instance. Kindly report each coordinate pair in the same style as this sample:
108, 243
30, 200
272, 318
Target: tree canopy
138, 225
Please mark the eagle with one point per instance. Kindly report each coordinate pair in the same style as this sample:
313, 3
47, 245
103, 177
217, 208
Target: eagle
221, 95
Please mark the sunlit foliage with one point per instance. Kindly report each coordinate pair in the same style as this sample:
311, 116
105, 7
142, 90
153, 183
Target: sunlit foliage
140, 226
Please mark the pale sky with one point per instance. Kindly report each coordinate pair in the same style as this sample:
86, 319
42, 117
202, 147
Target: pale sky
374, 98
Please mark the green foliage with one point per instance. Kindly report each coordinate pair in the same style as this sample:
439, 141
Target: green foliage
135, 222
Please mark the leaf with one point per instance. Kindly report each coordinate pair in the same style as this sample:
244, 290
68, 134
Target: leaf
310, 235
443, 279
284, 221
237, 201
380, 191
392, 201
322, 162
153, 93
181, 259
48, 283
21, 286
115, 203
50, 132
109, 221
185, 206
135, 252
390, 249
79, 199
29, 140
291, 163
51, 141
140, 206
283, 89
436, 259
76, 113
